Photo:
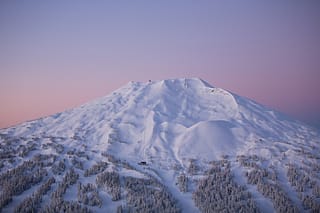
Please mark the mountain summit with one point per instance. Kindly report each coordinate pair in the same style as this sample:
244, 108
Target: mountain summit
181, 141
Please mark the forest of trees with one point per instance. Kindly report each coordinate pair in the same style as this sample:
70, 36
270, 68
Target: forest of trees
183, 183
302, 182
32, 203
57, 203
267, 184
88, 194
96, 169
15, 181
218, 192
65, 181
148, 195
110, 181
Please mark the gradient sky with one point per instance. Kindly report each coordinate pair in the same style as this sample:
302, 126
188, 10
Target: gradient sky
55, 55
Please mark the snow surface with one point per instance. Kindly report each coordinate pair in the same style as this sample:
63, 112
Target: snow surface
169, 122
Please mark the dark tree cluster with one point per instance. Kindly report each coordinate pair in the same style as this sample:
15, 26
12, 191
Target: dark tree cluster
4, 200
59, 205
279, 198
44, 188
183, 183
55, 146
24, 150
54, 139
19, 179
69, 179
120, 209
193, 167
315, 167
311, 204
82, 154
58, 147
116, 161
177, 167
148, 195
256, 176
46, 145
58, 168
249, 161
3, 136
298, 179
218, 192
76, 158
88, 195
6, 152
71, 152
268, 185
111, 182
8, 141
77, 163
32, 203
218, 166
316, 191
96, 169
308, 154
302, 183
79, 154
45, 160
312, 169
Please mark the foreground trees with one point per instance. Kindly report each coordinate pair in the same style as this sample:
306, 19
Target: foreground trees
61, 179
110, 181
218, 192
267, 184
302, 182
19, 179
32, 203
148, 195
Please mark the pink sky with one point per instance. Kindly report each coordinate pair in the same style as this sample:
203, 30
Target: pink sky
57, 55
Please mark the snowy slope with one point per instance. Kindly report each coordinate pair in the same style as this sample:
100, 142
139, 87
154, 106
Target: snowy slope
178, 127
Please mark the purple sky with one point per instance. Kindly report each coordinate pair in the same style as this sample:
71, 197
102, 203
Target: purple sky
58, 54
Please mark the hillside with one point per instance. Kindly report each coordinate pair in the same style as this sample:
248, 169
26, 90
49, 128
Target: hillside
176, 145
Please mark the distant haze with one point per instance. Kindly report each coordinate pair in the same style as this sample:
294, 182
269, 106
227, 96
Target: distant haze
58, 54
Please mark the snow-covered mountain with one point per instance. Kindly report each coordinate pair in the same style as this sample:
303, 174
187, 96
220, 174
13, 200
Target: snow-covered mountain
162, 146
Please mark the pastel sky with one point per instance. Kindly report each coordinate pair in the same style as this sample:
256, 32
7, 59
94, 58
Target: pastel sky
55, 55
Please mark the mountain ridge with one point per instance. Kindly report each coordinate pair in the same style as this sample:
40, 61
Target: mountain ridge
171, 131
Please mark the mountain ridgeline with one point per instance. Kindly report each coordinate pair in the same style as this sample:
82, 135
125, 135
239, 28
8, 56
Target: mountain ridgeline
178, 145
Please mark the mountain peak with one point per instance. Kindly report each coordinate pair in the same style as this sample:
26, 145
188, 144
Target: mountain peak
165, 130
194, 80
176, 81
154, 113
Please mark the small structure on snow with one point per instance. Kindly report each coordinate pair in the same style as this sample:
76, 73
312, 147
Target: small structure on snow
142, 163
